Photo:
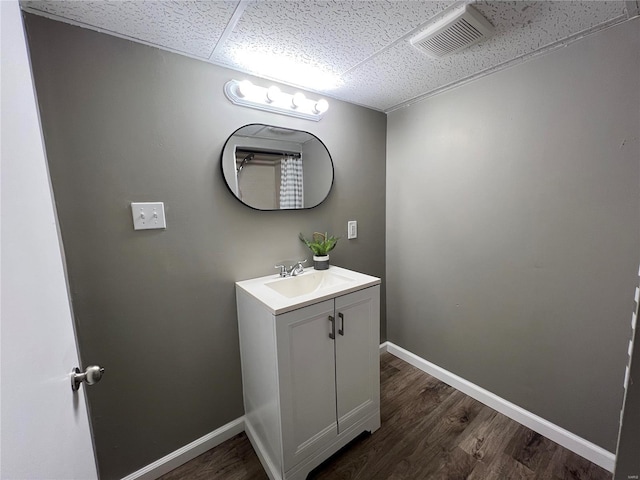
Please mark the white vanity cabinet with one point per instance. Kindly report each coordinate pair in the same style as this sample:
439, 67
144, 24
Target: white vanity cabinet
310, 377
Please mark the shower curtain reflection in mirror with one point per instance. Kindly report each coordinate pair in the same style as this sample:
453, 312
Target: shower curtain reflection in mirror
291, 182
270, 181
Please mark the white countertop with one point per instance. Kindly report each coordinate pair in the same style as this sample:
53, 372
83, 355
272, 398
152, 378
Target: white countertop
278, 303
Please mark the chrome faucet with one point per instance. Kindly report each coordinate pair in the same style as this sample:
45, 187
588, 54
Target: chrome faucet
297, 269
294, 270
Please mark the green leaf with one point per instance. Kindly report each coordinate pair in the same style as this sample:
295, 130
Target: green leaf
320, 244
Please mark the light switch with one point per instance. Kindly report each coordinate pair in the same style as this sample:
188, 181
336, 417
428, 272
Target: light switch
352, 229
148, 215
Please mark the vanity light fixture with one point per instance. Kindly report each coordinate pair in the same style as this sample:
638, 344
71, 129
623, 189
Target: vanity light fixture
297, 100
321, 106
273, 94
244, 88
272, 99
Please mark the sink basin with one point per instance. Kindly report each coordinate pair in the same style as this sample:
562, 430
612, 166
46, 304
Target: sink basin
307, 283
281, 295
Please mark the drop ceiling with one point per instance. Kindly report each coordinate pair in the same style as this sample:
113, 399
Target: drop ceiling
353, 50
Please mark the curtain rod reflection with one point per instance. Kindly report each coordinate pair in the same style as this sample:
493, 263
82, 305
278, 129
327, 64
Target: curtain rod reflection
251, 155
240, 152
244, 161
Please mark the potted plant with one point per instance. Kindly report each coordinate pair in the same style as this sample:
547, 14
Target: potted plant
320, 244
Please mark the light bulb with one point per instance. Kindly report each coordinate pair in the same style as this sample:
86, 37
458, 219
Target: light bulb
321, 106
244, 87
297, 100
273, 94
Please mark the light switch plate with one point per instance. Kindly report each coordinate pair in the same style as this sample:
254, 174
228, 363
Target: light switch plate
148, 215
352, 229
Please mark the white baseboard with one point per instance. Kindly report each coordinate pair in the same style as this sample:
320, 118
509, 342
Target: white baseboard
188, 452
570, 441
383, 347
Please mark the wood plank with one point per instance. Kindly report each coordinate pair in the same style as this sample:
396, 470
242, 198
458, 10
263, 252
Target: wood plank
443, 456
455, 465
413, 455
503, 467
231, 460
531, 449
566, 465
490, 438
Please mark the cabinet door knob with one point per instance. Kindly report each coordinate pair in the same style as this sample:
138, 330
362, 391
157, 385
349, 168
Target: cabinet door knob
341, 329
332, 334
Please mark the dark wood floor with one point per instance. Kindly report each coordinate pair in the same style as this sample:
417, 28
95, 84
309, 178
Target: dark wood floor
429, 431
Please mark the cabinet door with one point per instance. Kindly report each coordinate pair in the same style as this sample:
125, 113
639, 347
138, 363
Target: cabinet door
306, 363
357, 356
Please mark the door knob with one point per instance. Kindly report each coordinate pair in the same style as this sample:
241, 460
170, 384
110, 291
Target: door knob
90, 376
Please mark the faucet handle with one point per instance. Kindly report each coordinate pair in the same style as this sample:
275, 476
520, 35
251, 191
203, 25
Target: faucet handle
283, 270
297, 269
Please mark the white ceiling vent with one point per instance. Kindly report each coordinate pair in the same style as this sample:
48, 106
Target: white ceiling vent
455, 32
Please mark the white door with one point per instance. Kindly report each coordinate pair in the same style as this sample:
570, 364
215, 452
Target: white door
357, 356
306, 366
45, 426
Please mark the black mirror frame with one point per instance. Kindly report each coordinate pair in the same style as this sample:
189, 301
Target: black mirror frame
233, 194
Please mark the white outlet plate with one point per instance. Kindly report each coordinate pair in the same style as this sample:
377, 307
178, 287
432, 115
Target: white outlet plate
148, 215
352, 229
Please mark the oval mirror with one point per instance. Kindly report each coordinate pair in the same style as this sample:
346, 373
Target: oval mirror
274, 168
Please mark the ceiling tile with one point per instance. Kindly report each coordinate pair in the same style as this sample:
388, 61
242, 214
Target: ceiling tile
191, 27
402, 73
533, 25
282, 39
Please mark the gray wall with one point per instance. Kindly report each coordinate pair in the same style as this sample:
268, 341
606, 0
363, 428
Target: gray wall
513, 230
125, 122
